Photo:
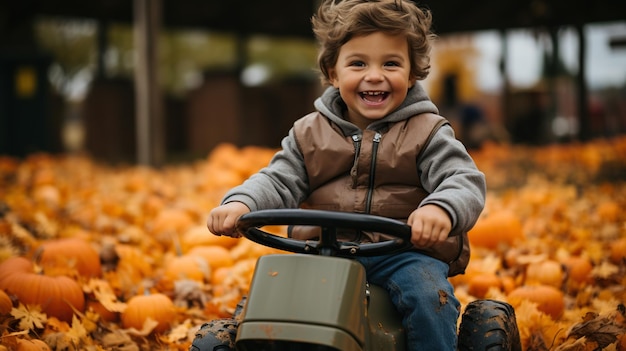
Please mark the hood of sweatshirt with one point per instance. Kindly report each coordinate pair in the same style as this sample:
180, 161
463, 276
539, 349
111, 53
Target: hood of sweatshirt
332, 106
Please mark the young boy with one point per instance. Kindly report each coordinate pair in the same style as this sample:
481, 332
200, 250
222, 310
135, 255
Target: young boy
375, 144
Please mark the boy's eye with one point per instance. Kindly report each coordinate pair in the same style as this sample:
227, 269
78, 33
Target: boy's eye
357, 63
392, 63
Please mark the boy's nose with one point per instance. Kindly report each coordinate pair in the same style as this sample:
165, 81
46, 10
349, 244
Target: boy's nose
374, 74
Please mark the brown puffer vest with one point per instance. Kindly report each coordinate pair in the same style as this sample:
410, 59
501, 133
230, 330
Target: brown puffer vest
375, 173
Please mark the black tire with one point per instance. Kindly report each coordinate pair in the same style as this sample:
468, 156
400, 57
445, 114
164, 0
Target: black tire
219, 334
489, 325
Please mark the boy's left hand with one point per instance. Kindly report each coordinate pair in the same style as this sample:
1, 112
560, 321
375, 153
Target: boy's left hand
430, 225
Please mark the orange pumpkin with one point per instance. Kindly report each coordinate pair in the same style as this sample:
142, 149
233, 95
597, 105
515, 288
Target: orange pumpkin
547, 272
549, 299
67, 255
216, 256
621, 342
618, 251
200, 235
578, 269
220, 274
156, 306
32, 345
169, 223
5, 303
56, 295
187, 267
496, 228
609, 211
478, 285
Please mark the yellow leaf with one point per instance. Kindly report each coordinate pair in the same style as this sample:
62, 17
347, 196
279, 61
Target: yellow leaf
30, 317
77, 332
180, 332
104, 294
148, 326
605, 270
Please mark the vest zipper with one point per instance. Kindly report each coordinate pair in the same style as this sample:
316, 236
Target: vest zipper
356, 141
370, 190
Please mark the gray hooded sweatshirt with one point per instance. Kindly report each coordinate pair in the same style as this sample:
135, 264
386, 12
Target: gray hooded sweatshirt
447, 171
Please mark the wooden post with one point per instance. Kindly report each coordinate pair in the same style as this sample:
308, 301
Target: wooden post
149, 104
584, 122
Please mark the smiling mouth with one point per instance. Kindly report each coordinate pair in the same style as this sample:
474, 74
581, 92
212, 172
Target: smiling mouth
374, 96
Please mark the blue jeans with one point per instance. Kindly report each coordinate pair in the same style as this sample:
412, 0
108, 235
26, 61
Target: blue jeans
420, 290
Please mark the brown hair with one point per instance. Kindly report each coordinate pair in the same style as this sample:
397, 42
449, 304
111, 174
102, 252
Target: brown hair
337, 22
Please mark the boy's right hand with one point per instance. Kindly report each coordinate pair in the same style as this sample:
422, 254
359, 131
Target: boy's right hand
223, 219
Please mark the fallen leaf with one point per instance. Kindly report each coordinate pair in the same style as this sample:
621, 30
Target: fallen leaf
30, 316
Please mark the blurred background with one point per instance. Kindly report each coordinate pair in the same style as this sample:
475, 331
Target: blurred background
160, 81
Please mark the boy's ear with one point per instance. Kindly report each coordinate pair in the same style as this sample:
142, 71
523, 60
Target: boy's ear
332, 77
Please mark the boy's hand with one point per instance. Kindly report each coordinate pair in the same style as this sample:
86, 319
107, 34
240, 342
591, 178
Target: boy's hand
222, 219
430, 225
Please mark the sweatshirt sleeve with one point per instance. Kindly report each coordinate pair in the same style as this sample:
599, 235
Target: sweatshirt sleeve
450, 175
282, 183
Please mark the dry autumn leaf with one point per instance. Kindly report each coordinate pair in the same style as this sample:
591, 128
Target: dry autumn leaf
29, 317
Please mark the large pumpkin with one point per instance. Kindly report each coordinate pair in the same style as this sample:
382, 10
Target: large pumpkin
69, 255
57, 295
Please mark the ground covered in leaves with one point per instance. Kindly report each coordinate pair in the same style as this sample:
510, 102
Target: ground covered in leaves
551, 241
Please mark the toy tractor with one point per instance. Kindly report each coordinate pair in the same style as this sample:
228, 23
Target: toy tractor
318, 299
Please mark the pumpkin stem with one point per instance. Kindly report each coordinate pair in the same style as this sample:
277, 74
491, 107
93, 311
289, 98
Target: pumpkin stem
177, 245
147, 286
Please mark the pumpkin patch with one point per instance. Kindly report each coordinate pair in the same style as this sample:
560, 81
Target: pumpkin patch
97, 255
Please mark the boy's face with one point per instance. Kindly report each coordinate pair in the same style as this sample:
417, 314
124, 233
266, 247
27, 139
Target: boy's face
372, 74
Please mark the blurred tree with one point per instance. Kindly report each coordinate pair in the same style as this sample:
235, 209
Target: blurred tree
184, 54
73, 47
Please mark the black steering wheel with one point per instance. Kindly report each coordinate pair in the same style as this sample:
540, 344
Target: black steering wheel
329, 222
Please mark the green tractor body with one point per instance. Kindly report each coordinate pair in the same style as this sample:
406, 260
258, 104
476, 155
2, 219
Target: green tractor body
308, 300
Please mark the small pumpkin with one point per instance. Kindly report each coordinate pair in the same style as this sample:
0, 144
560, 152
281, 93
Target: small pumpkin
479, 284
169, 222
220, 274
549, 299
62, 256
547, 272
609, 211
5, 303
32, 345
578, 269
57, 295
187, 267
156, 306
496, 228
199, 235
216, 256
618, 251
